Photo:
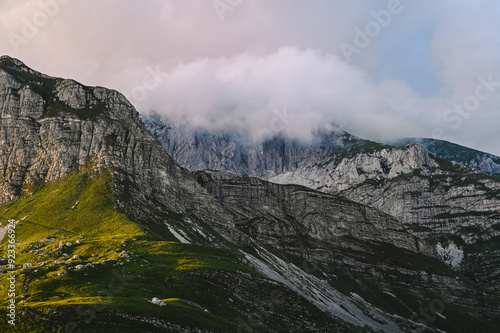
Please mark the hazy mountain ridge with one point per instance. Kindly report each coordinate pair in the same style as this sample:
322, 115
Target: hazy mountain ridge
198, 149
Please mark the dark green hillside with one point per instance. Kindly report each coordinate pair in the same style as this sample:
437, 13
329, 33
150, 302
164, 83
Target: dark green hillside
202, 286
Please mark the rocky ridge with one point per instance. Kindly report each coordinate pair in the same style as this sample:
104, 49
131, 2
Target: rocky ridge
484, 162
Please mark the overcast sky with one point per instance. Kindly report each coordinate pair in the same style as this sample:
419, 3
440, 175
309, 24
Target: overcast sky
379, 69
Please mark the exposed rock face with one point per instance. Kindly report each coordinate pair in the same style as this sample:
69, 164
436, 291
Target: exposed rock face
412, 185
351, 171
487, 163
199, 150
284, 216
434, 198
334, 232
444, 203
50, 126
438, 200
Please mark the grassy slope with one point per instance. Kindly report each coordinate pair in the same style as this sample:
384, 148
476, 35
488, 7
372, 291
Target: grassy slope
51, 213
113, 293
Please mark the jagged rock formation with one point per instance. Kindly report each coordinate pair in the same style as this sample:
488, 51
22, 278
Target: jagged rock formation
199, 150
438, 200
290, 216
473, 158
333, 231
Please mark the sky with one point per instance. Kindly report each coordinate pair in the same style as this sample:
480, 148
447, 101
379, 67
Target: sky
378, 69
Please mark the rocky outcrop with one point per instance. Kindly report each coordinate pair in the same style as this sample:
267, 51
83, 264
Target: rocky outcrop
293, 217
335, 234
484, 162
435, 199
197, 150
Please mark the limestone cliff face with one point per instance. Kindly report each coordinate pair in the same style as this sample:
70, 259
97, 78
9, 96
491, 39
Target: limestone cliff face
380, 165
331, 231
485, 162
438, 200
412, 185
435, 199
199, 150
445, 203
285, 215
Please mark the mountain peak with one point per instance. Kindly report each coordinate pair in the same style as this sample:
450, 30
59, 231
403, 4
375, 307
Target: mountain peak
48, 96
8, 59
18, 69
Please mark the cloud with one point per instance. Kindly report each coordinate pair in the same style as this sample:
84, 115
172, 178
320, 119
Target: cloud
281, 60
304, 89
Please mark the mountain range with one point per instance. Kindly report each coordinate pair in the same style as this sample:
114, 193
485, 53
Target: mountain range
127, 223
439, 199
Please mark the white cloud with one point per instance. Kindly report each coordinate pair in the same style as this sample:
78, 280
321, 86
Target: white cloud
245, 92
270, 55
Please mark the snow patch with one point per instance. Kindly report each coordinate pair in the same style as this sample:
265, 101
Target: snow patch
440, 315
182, 239
452, 255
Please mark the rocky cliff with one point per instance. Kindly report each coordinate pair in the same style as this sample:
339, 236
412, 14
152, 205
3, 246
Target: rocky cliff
487, 163
284, 216
197, 149
444, 201
51, 126
334, 233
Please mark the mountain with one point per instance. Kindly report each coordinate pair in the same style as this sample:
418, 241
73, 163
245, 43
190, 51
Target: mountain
112, 234
199, 150
473, 158
456, 208
98, 203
